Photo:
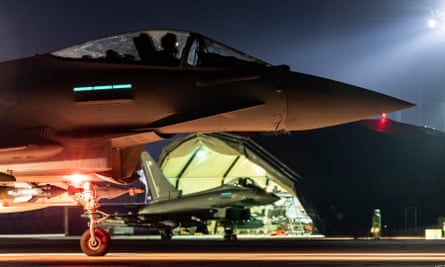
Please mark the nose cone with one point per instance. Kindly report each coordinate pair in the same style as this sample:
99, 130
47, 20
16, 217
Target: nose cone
314, 102
265, 198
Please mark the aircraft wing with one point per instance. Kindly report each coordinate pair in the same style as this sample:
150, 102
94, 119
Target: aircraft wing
29, 152
127, 147
149, 134
139, 137
208, 111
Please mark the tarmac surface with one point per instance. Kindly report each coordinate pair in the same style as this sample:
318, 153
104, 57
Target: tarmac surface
259, 252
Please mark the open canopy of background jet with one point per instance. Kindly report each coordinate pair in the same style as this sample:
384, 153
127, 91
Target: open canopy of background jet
159, 47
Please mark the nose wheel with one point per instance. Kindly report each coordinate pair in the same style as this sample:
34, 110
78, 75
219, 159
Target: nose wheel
96, 245
95, 241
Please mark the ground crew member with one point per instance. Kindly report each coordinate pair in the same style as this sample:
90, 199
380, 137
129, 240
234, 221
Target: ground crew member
376, 224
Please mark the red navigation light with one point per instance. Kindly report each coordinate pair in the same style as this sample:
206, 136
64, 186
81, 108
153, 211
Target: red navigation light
383, 120
382, 123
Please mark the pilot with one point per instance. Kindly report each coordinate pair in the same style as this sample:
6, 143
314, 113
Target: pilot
145, 47
168, 54
112, 56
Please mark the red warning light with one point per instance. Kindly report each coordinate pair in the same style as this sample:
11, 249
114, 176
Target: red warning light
382, 123
383, 120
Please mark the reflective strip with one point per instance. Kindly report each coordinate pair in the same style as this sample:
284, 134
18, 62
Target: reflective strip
103, 87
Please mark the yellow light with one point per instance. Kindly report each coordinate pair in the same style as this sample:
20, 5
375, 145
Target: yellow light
259, 171
78, 178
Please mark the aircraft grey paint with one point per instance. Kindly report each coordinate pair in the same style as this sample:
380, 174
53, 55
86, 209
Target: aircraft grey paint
167, 199
78, 110
89, 109
228, 203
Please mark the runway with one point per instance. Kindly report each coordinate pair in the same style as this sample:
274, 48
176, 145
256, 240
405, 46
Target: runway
203, 252
241, 257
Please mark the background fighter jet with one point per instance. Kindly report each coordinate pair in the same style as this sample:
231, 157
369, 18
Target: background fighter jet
228, 203
83, 114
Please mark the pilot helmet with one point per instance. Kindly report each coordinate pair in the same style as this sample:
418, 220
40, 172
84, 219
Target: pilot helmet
169, 41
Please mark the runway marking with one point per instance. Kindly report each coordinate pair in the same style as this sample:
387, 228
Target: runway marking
224, 256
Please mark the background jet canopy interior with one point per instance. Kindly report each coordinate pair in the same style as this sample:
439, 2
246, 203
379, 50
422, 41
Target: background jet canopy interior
197, 162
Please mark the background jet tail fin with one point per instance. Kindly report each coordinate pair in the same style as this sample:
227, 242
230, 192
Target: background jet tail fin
158, 185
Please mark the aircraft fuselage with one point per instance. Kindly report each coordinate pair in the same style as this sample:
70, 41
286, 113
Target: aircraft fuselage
224, 196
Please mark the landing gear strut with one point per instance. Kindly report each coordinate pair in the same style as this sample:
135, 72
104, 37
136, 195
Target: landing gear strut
95, 241
229, 234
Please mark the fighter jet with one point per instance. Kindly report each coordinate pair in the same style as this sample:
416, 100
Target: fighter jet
229, 204
83, 114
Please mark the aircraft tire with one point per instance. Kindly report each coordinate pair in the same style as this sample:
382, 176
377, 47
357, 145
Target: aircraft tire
100, 248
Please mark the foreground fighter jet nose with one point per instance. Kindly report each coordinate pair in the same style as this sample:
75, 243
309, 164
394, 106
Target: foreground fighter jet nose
315, 102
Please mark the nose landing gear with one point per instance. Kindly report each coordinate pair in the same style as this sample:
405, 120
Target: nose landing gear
95, 241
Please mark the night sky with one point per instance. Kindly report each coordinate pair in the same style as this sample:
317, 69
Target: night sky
385, 46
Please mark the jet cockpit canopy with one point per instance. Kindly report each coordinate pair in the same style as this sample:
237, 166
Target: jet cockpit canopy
244, 182
159, 48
